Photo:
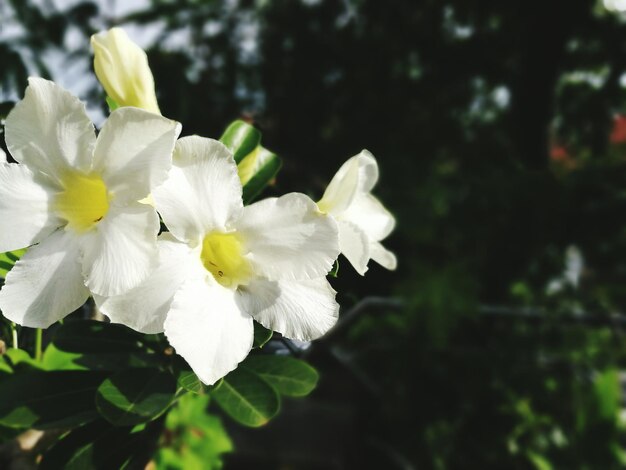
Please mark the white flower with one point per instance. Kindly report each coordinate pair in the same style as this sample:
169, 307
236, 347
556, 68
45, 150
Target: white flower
75, 197
123, 70
223, 264
362, 220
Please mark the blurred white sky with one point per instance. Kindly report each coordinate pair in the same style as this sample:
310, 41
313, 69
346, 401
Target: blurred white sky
615, 5
73, 74
76, 74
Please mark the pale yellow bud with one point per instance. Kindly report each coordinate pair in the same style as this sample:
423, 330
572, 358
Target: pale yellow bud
123, 70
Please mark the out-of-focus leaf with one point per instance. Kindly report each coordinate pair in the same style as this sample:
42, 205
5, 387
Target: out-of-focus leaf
241, 138
289, 376
90, 336
247, 398
135, 396
608, 393
539, 461
8, 260
261, 335
199, 438
266, 165
40, 399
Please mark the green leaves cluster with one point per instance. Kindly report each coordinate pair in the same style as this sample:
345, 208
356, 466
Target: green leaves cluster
111, 388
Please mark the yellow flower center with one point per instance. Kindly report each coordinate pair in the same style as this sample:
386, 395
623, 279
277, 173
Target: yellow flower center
222, 256
83, 202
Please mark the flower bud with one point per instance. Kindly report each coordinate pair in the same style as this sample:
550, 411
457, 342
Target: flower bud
123, 70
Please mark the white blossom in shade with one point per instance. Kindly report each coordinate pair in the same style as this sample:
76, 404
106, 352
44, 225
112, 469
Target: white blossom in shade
122, 68
74, 197
362, 220
223, 265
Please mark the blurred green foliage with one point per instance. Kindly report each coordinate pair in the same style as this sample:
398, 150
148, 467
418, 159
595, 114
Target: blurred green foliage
193, 438
494, 126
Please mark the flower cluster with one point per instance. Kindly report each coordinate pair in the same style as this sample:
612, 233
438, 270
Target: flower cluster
88, 209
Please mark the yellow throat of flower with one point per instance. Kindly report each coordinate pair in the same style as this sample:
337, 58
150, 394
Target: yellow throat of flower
222, 256
83, 202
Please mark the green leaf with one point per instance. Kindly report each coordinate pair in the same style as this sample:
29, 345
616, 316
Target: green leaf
55, 359
247, 398
188, 380
111, 103
5, 368
289, 376
115, 362
241, 138
256, 165
5, 108
99, 445
135, 396
8, 260
334, 272
90, 336
94, 445
41, 399
266, 167
261, 335
18, 359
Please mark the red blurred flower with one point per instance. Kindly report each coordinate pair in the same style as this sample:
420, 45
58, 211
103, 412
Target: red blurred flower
618, 133
560, 156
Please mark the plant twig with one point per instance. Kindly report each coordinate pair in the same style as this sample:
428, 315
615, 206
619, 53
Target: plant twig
38, 341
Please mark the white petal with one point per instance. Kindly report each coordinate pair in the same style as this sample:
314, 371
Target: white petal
3, 157
354, 245
288, 238
202, 192
356, 176
121, 251
25, 216
207, 328
134, 152
383, 256
145, 307
49, 131
302, 310
46, 284
370, 215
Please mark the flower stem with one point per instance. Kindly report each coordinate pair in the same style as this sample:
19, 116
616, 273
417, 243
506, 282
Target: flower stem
14, 335
38, 338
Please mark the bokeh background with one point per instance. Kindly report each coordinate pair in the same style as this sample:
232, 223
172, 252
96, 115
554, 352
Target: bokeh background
499, 341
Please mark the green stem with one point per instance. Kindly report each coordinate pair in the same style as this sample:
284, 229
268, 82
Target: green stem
38, 338
14, 334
